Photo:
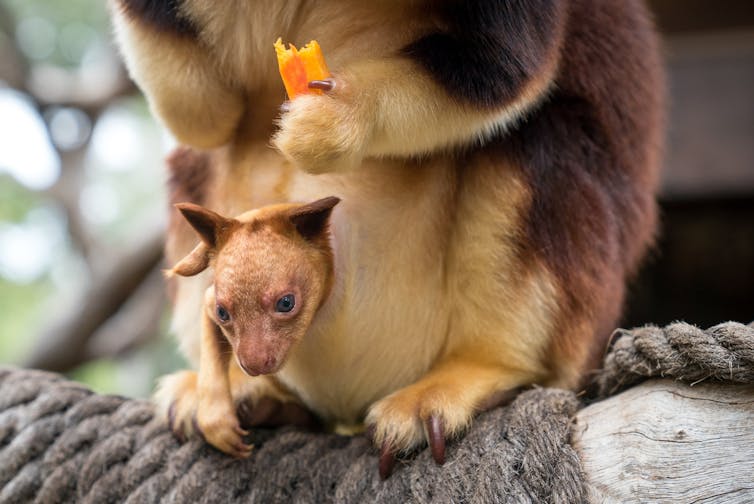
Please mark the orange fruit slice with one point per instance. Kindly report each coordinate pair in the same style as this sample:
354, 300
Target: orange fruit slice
298, 67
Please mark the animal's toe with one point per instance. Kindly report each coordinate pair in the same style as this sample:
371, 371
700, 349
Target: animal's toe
436, 437
387, 461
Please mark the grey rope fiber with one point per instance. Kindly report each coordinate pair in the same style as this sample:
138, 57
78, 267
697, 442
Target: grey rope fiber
681, 351
60, 442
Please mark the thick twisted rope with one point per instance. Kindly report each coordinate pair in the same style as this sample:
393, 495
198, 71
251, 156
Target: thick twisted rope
724, 352
60, 442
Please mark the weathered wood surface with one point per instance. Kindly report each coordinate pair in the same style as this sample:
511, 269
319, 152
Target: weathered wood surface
665, 441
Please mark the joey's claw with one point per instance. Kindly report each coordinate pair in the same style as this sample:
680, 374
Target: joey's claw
387, 461
436, 437
171, 416
241, 432
223, 432
323, 85
242, 450
177, 430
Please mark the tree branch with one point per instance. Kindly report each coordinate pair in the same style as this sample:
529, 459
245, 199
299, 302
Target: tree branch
14, 69
62, 346
134, 324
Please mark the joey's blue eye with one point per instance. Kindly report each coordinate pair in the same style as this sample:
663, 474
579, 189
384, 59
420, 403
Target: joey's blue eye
222, 314
285, 303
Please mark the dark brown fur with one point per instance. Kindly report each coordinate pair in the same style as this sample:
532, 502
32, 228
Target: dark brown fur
161, 14
486, 52
189, 177
585, 154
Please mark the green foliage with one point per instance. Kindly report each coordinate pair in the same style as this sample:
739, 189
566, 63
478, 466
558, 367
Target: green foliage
134, 374
15, 200
67, 27
117, 201
20, 304
20, 313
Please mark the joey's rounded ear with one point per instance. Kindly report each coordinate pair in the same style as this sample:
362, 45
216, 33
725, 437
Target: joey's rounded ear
193, 264
311, 219
209, 225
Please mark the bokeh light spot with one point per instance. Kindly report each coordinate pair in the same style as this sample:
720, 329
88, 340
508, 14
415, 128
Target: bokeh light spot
25, 150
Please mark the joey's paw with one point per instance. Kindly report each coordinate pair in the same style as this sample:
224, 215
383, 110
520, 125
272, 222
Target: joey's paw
218, 424
324, 132
414, 417
176, 399
188, 417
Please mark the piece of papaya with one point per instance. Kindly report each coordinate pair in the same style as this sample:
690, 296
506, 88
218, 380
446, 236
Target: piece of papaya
298, 67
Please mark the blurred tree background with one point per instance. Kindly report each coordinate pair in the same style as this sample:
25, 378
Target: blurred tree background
82, 202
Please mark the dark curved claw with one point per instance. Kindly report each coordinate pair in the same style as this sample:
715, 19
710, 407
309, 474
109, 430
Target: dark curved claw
240, 431
436, 437
178, 433
322, 85
242, 450
387, 461
171, 416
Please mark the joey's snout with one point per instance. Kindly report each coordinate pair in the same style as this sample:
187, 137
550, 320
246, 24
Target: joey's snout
256, 365
272, 269
261, 357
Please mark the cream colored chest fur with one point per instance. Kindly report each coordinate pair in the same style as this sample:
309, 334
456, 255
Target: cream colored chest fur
387, 318
419, 273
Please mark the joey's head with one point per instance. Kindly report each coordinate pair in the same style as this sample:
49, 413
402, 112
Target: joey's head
273, 269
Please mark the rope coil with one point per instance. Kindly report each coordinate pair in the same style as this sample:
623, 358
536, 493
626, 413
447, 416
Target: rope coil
59, 442
681, 351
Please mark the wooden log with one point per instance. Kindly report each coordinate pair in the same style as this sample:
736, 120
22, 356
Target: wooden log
665, 441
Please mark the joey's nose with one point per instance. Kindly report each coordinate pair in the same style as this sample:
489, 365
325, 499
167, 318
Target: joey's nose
258, 363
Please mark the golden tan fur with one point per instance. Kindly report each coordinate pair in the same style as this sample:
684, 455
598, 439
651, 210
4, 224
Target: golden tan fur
320, 133
256, 259
192, 100
441, 296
